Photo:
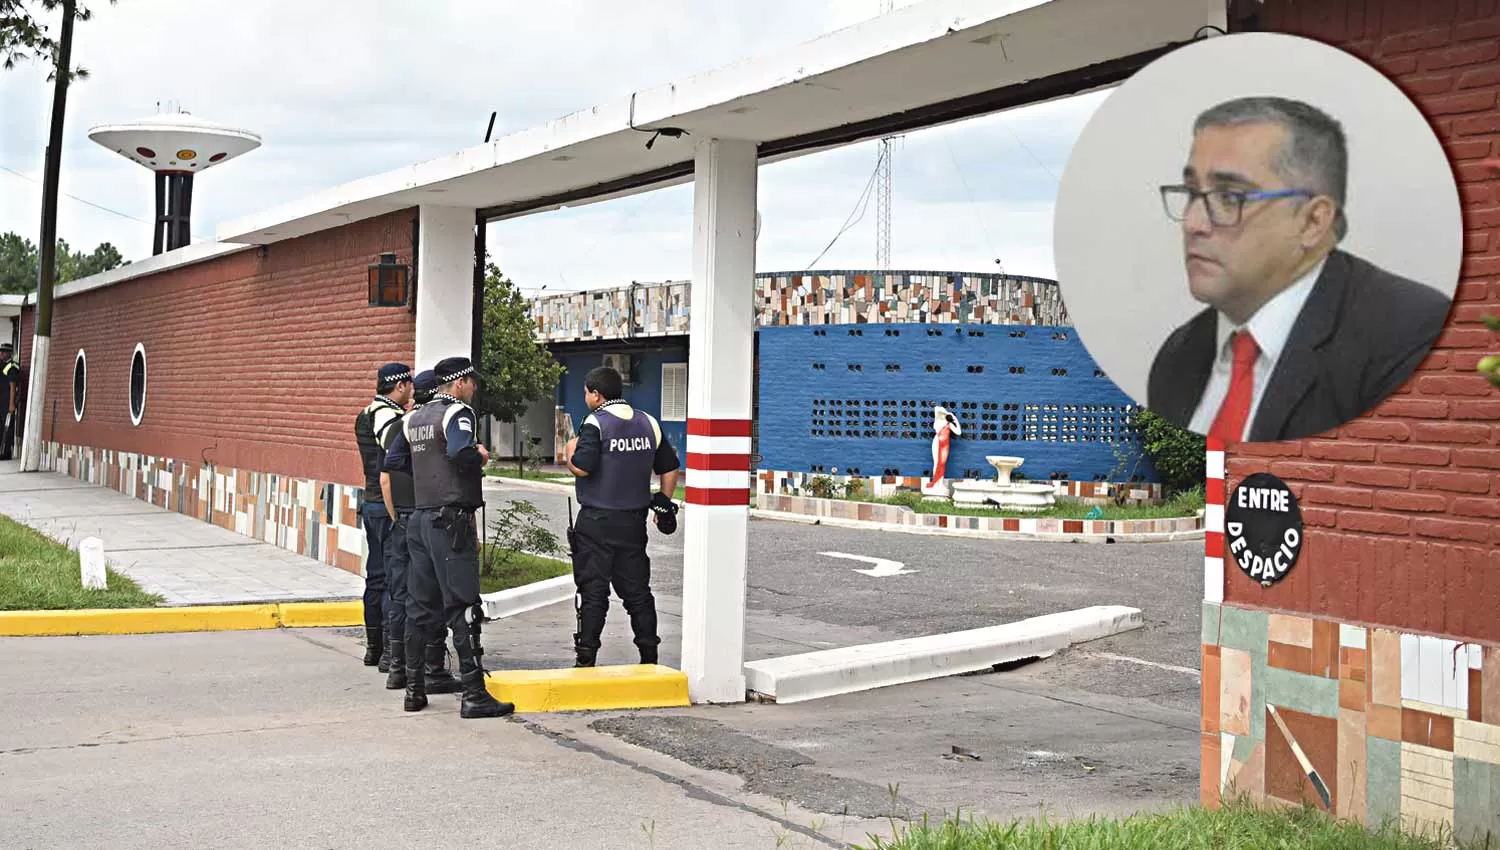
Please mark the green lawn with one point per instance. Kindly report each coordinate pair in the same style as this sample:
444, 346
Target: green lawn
38, 573
1180, 505
510, 471
1235, 827
518, 569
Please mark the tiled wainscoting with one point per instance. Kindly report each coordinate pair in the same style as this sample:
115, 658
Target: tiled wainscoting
1393, 725
312, 518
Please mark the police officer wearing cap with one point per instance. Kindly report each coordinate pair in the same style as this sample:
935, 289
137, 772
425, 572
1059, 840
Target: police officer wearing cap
437, 445
371, 428
614, 457
400, 499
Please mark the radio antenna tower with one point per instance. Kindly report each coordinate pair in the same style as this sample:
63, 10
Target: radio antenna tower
883, 198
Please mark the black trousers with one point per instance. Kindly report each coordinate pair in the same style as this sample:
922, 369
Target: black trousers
609, 550
397, 560
442, 583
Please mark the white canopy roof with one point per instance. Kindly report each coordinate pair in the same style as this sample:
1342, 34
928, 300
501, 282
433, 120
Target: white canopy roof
931, 63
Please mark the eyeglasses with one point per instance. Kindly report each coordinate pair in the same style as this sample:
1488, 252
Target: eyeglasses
1225, 206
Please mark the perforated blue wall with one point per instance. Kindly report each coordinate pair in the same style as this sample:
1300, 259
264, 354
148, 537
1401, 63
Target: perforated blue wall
860, 398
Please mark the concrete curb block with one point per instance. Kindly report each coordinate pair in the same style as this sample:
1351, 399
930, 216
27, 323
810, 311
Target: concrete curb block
246, 617
867, 525
829, 672
529, 597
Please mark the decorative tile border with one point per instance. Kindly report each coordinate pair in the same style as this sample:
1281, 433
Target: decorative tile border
777, 482
312, 518
1394, 725
1019, 526
818, 298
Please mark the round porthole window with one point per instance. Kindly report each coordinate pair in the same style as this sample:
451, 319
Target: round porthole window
138, 384
80, 384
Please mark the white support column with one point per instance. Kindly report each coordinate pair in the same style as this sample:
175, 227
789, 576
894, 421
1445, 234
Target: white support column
445, 284
721, 347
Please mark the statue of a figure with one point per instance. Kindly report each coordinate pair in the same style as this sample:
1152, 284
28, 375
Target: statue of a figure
946, 425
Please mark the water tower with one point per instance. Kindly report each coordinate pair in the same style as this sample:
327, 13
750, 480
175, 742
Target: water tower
176, 146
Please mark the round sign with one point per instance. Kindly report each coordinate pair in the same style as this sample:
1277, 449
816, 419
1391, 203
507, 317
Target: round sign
1263, 528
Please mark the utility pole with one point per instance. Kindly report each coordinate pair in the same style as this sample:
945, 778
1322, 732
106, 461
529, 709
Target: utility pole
883, 190
36, 380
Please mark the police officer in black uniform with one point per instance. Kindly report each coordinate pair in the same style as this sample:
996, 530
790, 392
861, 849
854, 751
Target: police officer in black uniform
392, 393
437, 445
614, 456
10, 381
400, 499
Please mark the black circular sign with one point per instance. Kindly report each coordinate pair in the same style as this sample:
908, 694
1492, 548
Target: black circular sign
1263, 528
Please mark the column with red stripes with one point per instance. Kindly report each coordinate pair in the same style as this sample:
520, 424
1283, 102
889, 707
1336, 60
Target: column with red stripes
1213, 522
721, 341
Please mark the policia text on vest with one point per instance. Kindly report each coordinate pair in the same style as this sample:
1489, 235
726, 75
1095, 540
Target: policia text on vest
614, 457
437, 447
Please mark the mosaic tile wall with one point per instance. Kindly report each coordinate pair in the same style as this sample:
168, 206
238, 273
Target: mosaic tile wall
1393, 725
1021, 527
307, 517
830, 297
782, 483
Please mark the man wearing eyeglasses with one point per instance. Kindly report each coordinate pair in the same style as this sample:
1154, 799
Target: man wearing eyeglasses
1299, 336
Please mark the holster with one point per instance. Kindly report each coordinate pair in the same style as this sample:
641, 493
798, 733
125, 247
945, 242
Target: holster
458, 522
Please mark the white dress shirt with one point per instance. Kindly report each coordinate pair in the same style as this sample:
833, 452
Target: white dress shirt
1270, 326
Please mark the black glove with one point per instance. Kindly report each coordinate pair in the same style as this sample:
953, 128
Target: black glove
666, 512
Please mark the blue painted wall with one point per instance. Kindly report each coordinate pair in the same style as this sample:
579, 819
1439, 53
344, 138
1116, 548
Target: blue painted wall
645, 394
860, 398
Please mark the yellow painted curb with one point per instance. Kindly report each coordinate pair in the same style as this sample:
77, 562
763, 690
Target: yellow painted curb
125, 621
304, 615
590, 688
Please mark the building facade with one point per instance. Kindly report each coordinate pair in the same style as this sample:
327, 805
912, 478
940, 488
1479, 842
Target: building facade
226, 388
849, 365
1378, 654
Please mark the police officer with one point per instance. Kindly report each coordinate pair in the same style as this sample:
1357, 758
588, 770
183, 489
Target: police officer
392, 394
438, 447
614, 456
400, 498
10, 381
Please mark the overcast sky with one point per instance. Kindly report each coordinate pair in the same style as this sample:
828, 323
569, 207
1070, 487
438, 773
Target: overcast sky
336, 97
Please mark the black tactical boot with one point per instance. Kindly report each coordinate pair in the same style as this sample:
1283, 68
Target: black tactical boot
374, 644
477, 701
416, 692
582, 655
439, 680
648, 654
397, 678
384, 665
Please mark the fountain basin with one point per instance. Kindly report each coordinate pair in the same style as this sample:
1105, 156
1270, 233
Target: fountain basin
1037, 497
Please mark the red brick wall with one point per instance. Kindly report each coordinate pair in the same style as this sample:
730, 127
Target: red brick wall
260, 362
1402, 507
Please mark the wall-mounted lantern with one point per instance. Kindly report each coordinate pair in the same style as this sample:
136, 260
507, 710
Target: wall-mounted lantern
388, 282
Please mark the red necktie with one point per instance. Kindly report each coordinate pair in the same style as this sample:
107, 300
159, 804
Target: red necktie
1229, 425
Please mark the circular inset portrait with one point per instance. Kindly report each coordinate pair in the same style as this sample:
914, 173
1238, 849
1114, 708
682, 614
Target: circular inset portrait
1258, 237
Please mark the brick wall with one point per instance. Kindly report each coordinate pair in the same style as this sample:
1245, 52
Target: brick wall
256, 363
1401, 506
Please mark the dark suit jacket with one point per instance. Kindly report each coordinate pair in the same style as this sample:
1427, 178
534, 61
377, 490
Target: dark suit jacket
1360, 335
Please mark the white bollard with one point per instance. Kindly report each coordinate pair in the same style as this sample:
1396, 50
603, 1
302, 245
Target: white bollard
91, 560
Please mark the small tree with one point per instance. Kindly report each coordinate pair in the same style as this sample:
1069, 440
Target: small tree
1179, 455
516, 370
1489, 366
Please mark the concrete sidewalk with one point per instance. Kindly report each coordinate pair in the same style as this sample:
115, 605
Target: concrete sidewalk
185, 560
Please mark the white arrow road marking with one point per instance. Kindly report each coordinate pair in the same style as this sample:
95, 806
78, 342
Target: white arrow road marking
882, 566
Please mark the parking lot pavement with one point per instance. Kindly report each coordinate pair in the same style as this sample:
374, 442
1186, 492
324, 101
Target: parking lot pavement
1108, 726
283, 739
